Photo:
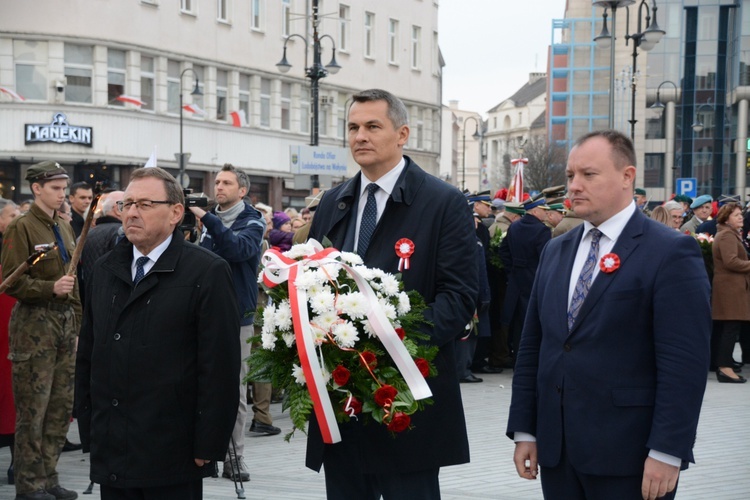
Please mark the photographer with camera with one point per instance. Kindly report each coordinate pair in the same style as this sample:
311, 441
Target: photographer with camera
234, 231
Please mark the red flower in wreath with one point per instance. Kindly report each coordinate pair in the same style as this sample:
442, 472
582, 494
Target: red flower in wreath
401, 333
340, 375
385, 395
399, 423
423, 366
352, 406
609, 263
368, 358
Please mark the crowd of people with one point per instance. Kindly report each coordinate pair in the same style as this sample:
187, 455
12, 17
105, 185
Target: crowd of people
602, 313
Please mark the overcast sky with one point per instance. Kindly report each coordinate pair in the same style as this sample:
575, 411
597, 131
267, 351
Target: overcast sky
491, 46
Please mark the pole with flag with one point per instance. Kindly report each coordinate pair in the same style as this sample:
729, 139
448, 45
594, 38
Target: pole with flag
11, 93
515, 191
238, 118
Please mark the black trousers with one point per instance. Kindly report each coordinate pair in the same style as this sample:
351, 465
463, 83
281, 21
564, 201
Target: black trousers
730, 330
183, 491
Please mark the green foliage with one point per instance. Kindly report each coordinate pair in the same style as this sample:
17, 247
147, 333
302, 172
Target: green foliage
495, 242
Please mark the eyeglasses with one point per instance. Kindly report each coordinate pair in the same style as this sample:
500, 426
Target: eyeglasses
140, 205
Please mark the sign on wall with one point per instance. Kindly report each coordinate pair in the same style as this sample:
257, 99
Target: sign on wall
59, 131
318, 160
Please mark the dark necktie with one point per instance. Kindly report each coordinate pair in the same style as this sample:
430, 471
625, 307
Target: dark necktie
584, 280
139, 269
60, 244
369, 219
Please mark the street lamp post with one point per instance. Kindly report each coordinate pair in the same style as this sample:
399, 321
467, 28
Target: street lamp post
183, 156
697, 125
669, 130
646, 40
476, 135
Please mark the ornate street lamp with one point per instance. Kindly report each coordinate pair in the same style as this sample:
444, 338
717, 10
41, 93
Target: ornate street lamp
184, 182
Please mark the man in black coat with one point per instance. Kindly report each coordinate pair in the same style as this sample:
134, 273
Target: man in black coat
158, 355
102, 237
410, 204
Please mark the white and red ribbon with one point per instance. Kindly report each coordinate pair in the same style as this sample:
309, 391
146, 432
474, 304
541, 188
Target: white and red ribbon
516, 161
404, 250
276, 270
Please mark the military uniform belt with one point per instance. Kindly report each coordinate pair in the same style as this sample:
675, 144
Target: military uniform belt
52, 306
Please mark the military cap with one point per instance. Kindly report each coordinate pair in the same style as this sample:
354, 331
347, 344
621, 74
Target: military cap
498, 204
514, 208
557, 207
701, 200
533, 203
46, 171
483, 197
312, 201
725, 198
554, 192
683, 198
640, 191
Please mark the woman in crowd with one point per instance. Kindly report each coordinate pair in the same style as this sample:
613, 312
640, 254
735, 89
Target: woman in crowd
281, 235
661, 214
730, 296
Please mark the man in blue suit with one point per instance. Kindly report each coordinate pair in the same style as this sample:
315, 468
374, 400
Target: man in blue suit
611, 370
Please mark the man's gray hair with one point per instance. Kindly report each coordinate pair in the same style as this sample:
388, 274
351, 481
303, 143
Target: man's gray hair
108, 205
4, 202
242, 178
396, 109
673, 205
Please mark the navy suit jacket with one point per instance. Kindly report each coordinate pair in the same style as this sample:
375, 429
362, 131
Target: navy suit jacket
435, 216
630, 375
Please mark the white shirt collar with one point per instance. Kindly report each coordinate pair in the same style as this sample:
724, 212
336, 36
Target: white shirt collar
154, 254
612, 227
387, 182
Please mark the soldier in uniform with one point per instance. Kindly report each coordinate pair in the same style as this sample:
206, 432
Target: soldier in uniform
43, 328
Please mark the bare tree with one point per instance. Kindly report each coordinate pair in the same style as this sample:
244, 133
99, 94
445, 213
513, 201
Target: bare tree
546, 165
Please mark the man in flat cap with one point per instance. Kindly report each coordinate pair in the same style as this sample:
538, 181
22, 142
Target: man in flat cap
641, 201
701, 208
43, 329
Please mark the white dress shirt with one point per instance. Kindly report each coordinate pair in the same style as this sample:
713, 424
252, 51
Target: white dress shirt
153, 256
386, 185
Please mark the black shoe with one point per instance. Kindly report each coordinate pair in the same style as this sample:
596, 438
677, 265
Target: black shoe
268, 430
737, 367
471, 379
36, 495
491, 369
11, 475
61, 493
68, 446
721, 377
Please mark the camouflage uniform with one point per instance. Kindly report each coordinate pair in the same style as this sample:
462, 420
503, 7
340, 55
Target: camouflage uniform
43, 329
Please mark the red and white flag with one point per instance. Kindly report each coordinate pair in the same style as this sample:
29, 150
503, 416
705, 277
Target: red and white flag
194, 108
130, 99
14, 96
515, 191
238, 118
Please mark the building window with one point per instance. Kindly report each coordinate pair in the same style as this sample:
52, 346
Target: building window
653, 170
323, 120
369, 33
286, 106
416, 46
148, 77
31, 69
304, 111
79, 68
245, 95
265, 102
393, 41
341, 122
420, 129
187, 6
222, 10
221, 95
343, 28
286, 17
256, 14
173, 87
115, 76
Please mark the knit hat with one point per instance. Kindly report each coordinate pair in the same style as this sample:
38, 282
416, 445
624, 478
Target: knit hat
279, 219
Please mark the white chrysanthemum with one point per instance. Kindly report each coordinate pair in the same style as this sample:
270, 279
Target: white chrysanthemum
326, 320
378, 273
390, 284
268, 341
319, 335
346, 334
306, 279
388, 309
288, 339
351, 258
367, 328
321, 301
298, 374
404, 305
299, 250
354, 304
330, 270
326, 375
269, 317
365, 272
283, 317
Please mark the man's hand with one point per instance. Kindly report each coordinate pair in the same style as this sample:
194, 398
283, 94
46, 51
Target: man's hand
659, 479
64, 285
198, 211
200, 462
525, 459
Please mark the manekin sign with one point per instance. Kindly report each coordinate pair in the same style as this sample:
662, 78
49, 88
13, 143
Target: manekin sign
59, 131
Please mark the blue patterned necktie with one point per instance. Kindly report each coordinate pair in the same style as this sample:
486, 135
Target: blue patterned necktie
584, 280
369, 219
60, 244
139, 269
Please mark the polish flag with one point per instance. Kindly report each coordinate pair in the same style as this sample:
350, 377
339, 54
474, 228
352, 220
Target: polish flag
515, 191
130, 99
12, 94
238, 118
194, 108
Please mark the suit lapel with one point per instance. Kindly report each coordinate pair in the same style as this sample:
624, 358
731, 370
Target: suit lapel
624, 247
568, 249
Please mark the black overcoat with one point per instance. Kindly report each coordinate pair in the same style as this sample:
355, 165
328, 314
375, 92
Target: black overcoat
435, 216
158, 366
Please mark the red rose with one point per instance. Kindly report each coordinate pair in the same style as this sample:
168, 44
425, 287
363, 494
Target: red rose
385, 395
401, 333
368, 358
424, 366
340, 375
352, 405
399, 423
